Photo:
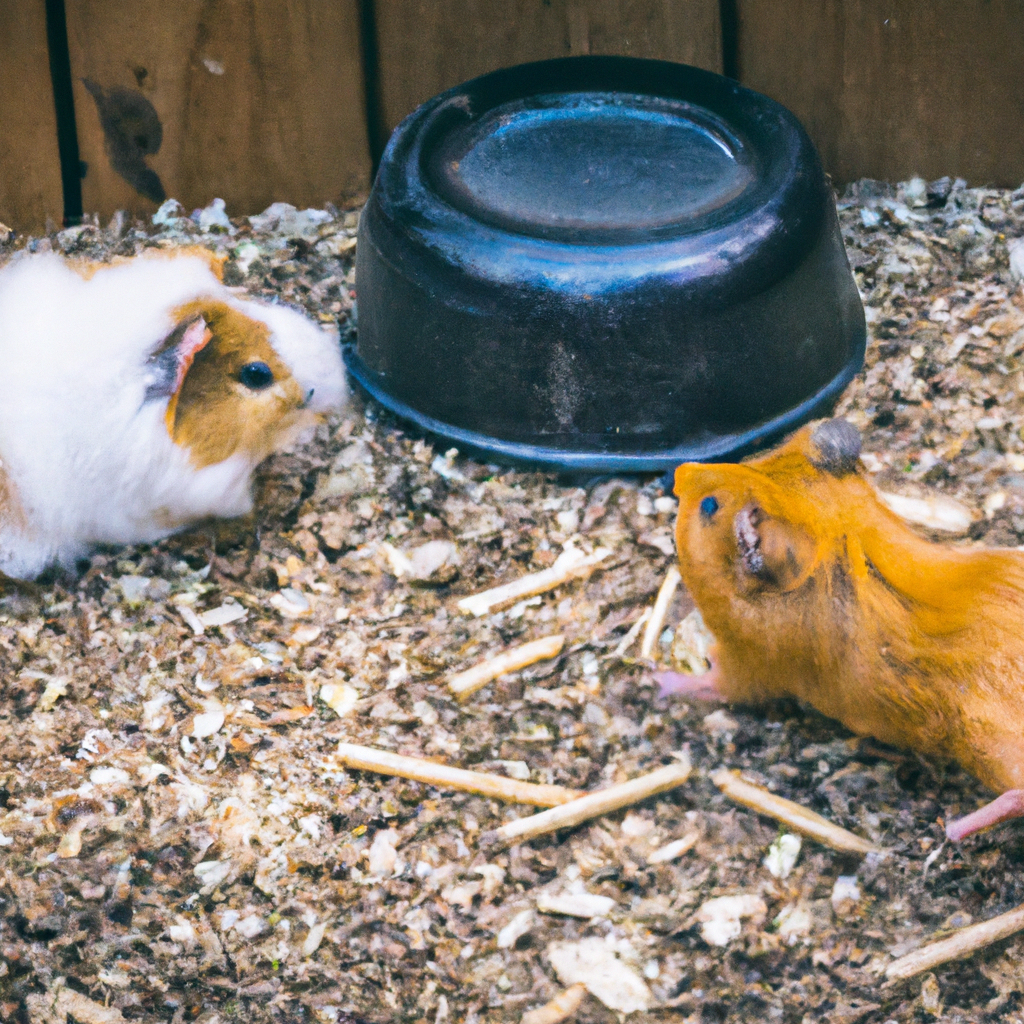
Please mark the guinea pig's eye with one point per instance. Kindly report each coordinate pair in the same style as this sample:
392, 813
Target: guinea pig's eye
708, 507
256, 376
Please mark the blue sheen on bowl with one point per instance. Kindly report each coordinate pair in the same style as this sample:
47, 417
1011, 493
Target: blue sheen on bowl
603, 264
612, 164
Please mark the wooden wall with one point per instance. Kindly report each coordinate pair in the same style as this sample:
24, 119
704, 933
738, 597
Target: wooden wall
30, 186
426, 46
253, 100
263, 100
892, 88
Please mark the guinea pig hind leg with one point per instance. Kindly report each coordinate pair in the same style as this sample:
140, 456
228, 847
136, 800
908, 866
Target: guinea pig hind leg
1003, 808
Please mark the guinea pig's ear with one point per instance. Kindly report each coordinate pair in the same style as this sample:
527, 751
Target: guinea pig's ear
772, 551
169, 364
835, 447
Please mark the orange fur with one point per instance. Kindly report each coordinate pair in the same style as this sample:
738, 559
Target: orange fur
86, 268
916, 643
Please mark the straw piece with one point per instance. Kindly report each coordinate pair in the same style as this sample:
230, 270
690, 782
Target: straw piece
562, 1007
670, 851
961, 943
286, 715
592, 805
634, 631
463, 684
759, 799
570, 563
443, 776
191, 619
659, 612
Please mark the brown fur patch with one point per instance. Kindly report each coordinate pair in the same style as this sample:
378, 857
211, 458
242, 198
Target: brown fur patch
11, 512
216, 415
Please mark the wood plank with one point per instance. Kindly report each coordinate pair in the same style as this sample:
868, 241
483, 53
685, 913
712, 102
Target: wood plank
888, 89
254, 102
425, 47
30, 184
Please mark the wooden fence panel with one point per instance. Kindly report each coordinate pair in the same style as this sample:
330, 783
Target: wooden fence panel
250, 100
30, 183
889, 89
427, 46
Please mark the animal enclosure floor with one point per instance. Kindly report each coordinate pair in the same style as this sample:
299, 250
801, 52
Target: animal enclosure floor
180, 842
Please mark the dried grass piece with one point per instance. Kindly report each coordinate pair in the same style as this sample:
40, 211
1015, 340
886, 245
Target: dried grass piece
661, 605
286, 715
592, 805
759, 799
562, 1007
191, 619
960, 944
443, 776
634, 631
570, 564
675, 849
463, 684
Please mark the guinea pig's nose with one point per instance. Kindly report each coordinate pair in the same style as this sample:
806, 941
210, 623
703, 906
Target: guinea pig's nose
308, 398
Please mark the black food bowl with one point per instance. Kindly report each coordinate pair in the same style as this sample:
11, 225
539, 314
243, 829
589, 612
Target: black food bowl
603, 264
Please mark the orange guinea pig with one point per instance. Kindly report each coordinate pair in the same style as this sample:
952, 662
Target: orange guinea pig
814, 589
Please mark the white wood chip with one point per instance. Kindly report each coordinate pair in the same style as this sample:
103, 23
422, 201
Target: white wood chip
382, 856
314, 938
516, 929
782, 855
222, 616
341, 698
292, 604
721, 919
595, 963
55, 689
575, 904
935, 512
207, 723
212, 872
191, 619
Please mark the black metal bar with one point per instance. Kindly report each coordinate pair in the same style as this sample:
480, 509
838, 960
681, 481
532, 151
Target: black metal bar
728, 15
71, 170
376, 127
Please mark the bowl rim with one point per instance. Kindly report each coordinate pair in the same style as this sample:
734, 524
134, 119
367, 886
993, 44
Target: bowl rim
778, 213
722, 448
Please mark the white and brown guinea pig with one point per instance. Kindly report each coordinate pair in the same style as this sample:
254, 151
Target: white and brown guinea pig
137, 398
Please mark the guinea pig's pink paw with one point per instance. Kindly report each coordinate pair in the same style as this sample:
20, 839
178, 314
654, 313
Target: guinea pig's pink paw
702, 687
1003, 808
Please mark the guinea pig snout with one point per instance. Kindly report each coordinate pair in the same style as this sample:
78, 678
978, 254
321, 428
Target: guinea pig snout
307, 399
748, 540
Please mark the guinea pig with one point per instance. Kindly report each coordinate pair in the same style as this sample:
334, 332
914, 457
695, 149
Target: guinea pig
814, 589
138, 397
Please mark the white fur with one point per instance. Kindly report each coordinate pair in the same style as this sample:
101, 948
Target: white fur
90, 460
